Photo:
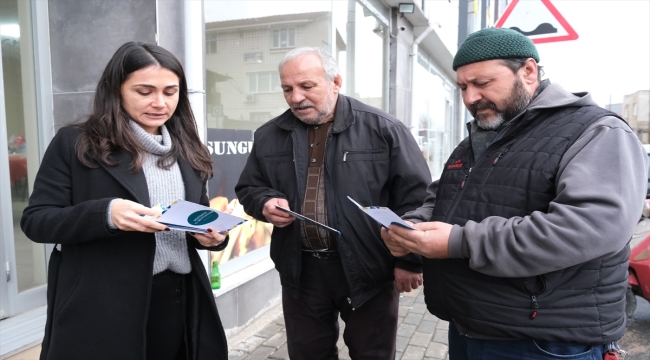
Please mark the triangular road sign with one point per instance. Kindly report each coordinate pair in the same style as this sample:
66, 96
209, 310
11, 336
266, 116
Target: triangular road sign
538, 19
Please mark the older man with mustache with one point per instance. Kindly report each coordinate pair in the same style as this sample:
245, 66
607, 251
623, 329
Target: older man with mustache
326, 147
526, 237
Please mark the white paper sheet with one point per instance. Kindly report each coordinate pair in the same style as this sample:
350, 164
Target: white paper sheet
188, 216
304, 218
383, 215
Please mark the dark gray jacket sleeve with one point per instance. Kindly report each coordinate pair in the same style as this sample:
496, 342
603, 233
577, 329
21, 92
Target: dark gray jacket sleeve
252, 189
600, 186
423, 213
409, 178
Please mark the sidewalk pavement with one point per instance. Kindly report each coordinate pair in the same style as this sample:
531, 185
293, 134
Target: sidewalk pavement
420, 335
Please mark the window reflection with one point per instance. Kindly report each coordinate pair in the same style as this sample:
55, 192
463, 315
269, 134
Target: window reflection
245, 41
19, 92
432, 104
360, 46
210, 43
250, 49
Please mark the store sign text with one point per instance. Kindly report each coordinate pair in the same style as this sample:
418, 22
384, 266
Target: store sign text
229, 147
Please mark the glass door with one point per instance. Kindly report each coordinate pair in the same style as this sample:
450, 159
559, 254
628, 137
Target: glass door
23, 271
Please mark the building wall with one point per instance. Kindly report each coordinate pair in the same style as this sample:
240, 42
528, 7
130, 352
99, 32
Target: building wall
171, 25
636, 111
83, 37
239, 306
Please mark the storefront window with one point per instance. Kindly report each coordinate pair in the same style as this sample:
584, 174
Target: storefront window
245, 41
432, 104
22, 139
361, 40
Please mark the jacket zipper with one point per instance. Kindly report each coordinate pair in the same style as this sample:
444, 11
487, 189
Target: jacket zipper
533, 314
295, 167
298, 207
331, 205
496, 160
345, 154
533, 298
464, 182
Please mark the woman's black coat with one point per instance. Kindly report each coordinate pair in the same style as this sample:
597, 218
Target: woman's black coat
99, 284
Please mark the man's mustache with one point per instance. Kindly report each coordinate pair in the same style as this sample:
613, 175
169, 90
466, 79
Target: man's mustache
482, 105
303, 104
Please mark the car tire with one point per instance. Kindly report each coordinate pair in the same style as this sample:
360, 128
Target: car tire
630, 303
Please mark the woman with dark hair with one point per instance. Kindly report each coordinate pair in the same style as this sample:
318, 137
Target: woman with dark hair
124, 286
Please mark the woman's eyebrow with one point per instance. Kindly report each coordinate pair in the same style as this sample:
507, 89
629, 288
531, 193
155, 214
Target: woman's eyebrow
153, 87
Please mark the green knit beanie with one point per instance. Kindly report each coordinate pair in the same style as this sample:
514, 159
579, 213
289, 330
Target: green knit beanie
494, 43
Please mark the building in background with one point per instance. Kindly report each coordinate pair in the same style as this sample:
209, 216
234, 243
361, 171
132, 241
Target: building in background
615, 108
242, 57
53, 53
636, 111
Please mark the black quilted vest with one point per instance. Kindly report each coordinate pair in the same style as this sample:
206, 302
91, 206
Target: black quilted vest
515, 176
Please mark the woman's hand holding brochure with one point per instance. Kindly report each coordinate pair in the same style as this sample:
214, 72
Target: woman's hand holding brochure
188, 216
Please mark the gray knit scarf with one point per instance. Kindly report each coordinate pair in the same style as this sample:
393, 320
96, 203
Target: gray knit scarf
165, 186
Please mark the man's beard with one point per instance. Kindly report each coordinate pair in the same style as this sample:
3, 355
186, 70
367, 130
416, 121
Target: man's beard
322, 114
515, 104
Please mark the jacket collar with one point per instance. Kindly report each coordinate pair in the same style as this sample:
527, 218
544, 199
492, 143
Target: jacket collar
136, 183
343, 118
191, 180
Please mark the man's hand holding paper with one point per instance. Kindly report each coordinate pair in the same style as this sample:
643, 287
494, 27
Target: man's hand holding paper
430, 239
394, 247
275, 216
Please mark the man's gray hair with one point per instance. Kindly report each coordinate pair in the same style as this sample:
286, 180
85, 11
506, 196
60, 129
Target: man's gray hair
329, 63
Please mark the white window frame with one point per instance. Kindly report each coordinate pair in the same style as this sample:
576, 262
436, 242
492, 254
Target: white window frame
210, 43
254, 82
26, 311
290, 38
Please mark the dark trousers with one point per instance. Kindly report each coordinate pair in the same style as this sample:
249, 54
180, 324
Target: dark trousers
312, 320
166, 323
465, 348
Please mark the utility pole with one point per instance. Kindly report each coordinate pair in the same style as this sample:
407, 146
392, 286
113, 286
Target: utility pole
457, 129
484, 11
466, 25
351, 49
462, 20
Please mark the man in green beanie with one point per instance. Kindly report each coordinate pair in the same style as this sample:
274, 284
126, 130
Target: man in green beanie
525, 238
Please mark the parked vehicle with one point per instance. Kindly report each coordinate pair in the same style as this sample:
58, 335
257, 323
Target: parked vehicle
647, 150
639, 270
